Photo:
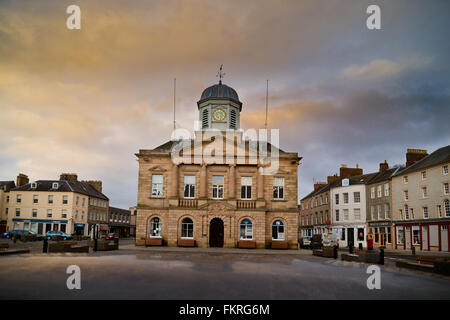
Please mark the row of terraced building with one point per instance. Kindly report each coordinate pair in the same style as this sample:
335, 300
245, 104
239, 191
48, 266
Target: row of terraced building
400, 207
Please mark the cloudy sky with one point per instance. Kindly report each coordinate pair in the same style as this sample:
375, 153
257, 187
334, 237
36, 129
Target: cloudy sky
86, 100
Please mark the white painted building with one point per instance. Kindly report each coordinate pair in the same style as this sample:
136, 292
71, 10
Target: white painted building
348, 210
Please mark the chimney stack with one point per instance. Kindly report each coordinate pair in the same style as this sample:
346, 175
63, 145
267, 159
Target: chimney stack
22, 179
71, 177
331, 179
97, 184
414, 155
345, 172
319, 185
384, 166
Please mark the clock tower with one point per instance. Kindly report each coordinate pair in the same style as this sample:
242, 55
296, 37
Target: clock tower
219, 108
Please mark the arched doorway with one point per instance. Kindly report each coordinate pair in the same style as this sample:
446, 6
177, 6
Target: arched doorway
216, 233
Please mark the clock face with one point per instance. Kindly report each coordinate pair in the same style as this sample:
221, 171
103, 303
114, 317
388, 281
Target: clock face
219, 115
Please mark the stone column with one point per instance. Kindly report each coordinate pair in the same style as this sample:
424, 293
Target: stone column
203, 182
174, 190
260, 183
232, 182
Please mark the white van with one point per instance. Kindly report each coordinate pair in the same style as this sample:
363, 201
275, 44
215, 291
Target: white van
329, 240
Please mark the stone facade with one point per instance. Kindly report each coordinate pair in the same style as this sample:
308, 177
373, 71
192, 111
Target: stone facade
167, 202
378, 210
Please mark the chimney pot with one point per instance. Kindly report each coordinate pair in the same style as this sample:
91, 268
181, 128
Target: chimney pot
384, 166
414, 155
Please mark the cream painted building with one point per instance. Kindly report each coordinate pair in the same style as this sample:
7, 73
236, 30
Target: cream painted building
421, 202
44, 205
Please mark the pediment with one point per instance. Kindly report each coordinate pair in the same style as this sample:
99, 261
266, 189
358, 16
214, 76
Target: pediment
217, 206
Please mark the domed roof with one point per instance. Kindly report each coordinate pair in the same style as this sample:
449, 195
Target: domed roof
219, 91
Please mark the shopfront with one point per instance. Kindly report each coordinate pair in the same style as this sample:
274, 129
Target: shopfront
78, 229
426, 236
381, 234
39, 226
351, 234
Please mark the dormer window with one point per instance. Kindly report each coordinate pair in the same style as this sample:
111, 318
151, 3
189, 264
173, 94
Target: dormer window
33, 185
55, 185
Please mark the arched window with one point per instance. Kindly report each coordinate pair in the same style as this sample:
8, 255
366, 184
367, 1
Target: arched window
205, 118
187, 228
278, 230
447, 208
246, 230
155, 227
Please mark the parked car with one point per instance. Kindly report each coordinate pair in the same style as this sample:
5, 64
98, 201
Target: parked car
305, 242
20, 234
10, 234
56, 233
111, 236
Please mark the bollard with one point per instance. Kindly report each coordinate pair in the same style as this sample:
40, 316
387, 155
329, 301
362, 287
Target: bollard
116, 241
350, 248
381, 256
413, 250
335, 252
95, 244
45, 245
360, 246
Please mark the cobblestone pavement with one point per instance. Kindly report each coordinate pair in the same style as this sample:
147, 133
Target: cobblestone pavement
174, 273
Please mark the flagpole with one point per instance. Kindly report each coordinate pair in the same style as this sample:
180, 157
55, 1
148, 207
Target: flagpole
174, 100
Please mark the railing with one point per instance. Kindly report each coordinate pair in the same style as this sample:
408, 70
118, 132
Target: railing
246, 204
188, 203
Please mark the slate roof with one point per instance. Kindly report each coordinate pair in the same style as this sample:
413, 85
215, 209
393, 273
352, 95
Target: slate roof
220, 91
167, 146
8, 184
360, 179
327, 187
384, 175
439, 156
63, 186
118, 210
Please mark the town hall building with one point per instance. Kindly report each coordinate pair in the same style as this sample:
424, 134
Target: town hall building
218, 188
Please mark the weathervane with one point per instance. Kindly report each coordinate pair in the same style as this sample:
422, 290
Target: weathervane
220, 74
